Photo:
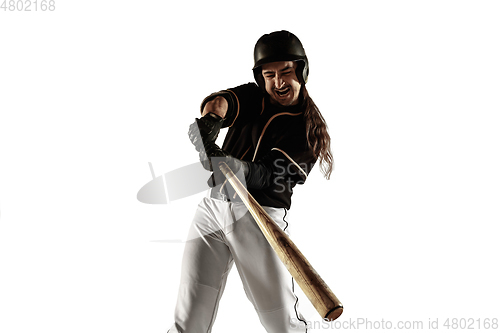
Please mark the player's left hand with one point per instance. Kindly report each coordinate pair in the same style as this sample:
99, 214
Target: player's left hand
209, 151
212, 156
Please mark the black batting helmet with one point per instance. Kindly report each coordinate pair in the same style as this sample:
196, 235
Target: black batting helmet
279, 46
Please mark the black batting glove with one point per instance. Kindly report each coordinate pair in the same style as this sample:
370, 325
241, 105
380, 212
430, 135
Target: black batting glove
210, 150
205, 130
212, 156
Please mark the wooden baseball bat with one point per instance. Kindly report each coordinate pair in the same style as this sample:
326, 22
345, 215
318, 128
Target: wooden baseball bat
313, 286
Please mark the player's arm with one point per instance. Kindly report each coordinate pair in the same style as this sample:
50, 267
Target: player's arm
206, 129
217, 106
214, 111
237, 106
262, 173
277, 163
222, 109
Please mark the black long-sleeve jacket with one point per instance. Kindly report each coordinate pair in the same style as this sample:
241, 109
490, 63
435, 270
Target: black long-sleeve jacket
273, 138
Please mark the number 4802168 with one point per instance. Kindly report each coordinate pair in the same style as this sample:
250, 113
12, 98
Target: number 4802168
28, 5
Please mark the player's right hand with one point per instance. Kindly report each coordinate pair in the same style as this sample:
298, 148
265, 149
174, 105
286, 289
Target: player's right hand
204, 130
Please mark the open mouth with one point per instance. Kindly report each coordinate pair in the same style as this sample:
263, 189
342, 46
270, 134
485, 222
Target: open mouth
282, 92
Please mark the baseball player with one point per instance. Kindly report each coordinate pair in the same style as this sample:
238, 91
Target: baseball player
276, 134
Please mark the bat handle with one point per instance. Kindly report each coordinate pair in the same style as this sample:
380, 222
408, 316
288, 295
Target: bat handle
334, 313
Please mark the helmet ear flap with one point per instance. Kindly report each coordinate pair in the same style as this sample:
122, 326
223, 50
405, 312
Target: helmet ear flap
257, 74
302, 70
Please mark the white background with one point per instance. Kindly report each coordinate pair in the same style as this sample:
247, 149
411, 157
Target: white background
406, 229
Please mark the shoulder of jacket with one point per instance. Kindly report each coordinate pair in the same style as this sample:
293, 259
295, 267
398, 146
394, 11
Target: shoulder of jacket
249, 87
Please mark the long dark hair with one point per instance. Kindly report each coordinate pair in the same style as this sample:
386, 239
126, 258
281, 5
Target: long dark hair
317, 134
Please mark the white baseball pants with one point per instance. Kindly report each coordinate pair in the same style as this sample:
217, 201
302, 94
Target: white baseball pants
223, 233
